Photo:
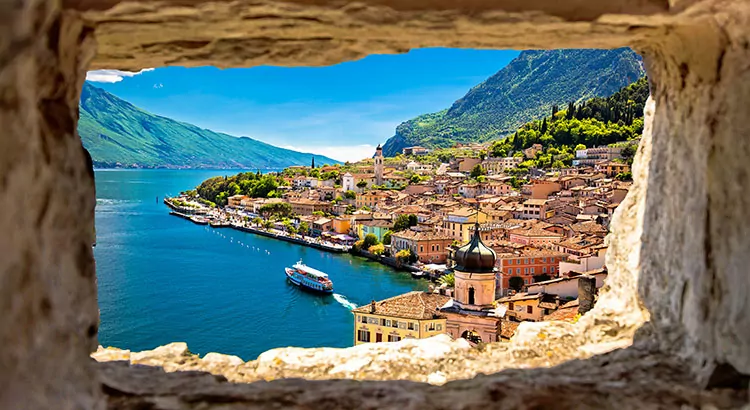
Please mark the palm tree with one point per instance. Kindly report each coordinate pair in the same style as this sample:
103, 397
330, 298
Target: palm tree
303, 228
258, 221
448, 280
267, 225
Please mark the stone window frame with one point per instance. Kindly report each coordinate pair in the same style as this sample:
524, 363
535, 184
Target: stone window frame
694, 54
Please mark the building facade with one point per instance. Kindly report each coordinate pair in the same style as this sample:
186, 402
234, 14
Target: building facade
471, 314
429, 246
413, 315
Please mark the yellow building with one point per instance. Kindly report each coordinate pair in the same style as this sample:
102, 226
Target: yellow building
460, 222
411, 315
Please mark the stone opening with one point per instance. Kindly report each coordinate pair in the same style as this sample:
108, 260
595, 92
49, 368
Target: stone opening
678, 255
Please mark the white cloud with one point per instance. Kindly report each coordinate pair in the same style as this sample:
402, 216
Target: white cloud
159, 85
340, 153
112, 76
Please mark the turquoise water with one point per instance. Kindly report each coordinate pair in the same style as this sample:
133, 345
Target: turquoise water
163, 279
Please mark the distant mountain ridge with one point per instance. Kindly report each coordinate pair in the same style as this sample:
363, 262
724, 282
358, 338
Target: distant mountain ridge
524, 90
118, 134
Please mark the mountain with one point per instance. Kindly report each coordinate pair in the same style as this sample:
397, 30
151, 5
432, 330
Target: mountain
524, 90
119, 134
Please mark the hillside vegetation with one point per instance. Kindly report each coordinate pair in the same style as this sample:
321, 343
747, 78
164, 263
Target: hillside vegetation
119, 134
596, 122
526, 89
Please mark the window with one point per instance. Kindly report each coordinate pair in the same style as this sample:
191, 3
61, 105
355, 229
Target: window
410, 326
382, 322
526, 281
544, 259
525, 261
430, 327
510, 271
525, 271
552, 269
518, 271
439, 327
510, 261
421, 249
532, 261
373, 320
529, 309
392, 338
471, 296
394, 323
387, 323
532, 271
544, 269
363, 336
378, 337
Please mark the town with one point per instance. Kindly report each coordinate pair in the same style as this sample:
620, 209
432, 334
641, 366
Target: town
502, 242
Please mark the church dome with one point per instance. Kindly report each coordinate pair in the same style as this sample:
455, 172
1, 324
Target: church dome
475, 256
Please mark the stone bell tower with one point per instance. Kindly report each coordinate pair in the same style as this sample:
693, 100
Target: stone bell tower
475, 274
379, 165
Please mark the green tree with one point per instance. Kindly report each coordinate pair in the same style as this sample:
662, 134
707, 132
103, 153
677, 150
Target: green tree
387, 238
362, 183
580, 147
278, 209
516, 283
258, 221
403, 255
541, 278
378, 249
477, 171
350, 194
267, 224
448, 280
624, 176
304, 228
402, 223
370, 240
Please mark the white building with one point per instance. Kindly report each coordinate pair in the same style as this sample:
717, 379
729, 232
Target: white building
563, 287
347, 182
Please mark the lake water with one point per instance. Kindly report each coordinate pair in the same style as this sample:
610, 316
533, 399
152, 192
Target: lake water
163, 279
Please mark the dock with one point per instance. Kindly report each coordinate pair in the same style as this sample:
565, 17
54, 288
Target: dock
323, 247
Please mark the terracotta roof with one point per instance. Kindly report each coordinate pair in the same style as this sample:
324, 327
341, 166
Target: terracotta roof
377, 222
412, 305
520, 296
421, 235
508, 328
534, 231
588, 227
566, 312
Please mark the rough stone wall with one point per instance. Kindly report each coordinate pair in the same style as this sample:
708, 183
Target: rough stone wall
680, 245
48, 310
694, 256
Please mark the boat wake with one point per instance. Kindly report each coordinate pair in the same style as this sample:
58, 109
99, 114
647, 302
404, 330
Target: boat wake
344, 301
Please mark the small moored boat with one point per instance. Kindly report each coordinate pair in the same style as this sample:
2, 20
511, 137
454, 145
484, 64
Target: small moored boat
309, 278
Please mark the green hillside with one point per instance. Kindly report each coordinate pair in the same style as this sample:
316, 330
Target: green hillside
524, 90
592, 123
119, 134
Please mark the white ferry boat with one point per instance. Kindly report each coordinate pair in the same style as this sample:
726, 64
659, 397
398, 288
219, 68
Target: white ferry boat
309, 278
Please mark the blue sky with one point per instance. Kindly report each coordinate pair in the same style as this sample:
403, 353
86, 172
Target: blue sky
342, 111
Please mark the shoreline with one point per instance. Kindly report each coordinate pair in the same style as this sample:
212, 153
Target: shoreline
197, 216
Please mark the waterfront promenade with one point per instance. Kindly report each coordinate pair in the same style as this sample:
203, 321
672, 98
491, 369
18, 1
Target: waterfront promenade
203, 215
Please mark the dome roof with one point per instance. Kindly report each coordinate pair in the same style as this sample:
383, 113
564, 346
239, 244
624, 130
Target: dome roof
475, 256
